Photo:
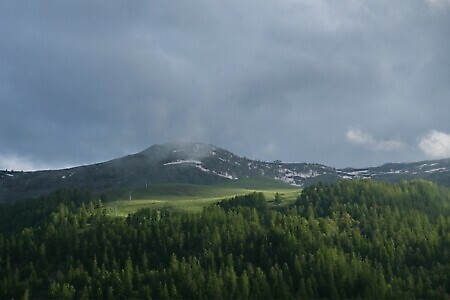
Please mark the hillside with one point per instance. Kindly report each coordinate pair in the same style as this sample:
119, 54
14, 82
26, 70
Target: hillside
192, 163
197, 163
355, 239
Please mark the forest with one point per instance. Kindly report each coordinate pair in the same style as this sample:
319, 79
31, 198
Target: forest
352, 239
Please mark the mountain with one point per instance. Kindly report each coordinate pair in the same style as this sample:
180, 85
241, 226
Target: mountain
436, 170
198, 163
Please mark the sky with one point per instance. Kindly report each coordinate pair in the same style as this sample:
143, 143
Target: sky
344, 83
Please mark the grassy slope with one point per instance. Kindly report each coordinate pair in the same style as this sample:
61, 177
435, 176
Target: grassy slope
192, 198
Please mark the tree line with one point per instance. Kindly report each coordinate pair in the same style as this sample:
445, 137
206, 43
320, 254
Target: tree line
348, 240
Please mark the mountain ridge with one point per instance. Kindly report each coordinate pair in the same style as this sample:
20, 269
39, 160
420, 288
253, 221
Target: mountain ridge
200, 163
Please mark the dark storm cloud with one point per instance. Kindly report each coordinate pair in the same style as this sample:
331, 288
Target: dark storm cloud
83, 81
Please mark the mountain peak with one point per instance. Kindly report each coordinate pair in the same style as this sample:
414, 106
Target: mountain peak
197, 151
199, 163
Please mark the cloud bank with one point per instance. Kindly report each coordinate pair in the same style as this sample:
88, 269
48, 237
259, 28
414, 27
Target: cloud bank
87, 81
21, 163
358, 137
435, 144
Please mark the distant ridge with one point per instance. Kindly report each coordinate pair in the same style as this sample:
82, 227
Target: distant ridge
199, 163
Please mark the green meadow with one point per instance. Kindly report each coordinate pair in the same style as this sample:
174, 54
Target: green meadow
192, 198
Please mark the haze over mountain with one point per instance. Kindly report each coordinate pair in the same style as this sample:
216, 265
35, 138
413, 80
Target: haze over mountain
198, 163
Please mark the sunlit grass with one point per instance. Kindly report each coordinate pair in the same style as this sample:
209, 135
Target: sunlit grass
192, 198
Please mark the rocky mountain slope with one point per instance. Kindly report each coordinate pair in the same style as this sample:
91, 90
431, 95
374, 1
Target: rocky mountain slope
198, 163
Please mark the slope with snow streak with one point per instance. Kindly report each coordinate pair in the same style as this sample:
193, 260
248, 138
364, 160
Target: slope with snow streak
197, 163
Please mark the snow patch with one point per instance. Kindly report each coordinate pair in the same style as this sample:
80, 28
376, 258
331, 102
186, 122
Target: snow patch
291, 177
199, 165
436, 170
179, 162
225, 175
427, 165
358, 173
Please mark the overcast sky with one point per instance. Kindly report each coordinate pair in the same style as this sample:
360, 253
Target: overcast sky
343, 83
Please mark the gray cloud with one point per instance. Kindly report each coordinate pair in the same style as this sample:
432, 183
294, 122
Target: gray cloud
358, 137
439, 4
84, 81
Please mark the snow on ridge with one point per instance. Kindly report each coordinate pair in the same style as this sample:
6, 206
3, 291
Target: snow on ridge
427, 165
359, 172
291, 177
199, 165
367, 173
362, 173
180, 161
436, 170
225, 175
423, 165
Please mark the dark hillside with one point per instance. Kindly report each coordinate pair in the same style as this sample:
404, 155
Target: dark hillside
204, 164
354, 239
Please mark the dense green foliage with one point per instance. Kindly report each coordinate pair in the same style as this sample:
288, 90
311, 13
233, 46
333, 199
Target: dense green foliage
353, 239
